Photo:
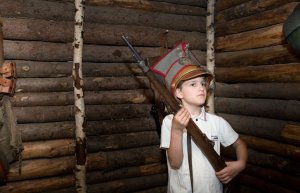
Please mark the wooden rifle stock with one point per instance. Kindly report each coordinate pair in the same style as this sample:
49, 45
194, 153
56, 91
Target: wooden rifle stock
198, 137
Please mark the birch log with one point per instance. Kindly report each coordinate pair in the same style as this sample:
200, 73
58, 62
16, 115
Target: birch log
210, 59
80, 115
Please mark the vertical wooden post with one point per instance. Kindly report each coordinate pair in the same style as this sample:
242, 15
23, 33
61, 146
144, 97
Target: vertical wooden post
80, 171
210, 58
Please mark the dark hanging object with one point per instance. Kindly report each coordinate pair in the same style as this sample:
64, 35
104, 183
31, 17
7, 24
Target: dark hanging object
291, 29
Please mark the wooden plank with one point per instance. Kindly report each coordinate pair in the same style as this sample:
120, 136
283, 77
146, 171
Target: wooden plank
275, 109
280, 73
259, 20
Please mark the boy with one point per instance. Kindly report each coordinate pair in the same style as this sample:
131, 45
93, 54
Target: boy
188, 83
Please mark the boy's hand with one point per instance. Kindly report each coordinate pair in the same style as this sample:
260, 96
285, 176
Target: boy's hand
181, 119
230, 171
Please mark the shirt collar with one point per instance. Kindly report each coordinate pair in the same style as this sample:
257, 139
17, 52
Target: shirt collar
202, 115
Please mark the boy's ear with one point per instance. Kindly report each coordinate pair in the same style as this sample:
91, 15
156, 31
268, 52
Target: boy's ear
178, 93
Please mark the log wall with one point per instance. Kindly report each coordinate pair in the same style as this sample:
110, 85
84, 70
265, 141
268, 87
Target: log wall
258, 89
123, 138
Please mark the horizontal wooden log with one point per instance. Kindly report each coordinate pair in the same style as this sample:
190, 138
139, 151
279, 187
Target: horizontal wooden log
59, 182
129, 185
289, 91
122, 141
291, 133
90, 98
43, 114
279, 54
160, 189
64, 147
62, 52
38, 185
271, 161
36, 69
48, 149
275, 109
90, 84
60, 11
280, 73
221, 5
63, 130
264, 37
274, 177
273, 129
151, 6
199, 3
262, 185
269, 146
249, 8
256, 21
46, 51
125, 172
38, 168
105, 34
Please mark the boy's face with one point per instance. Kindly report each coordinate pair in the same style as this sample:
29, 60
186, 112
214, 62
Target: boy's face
193, 92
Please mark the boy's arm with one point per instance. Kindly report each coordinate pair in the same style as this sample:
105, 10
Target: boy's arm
175, 151
233, 168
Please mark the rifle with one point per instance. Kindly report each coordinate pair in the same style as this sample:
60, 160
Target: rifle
199, 138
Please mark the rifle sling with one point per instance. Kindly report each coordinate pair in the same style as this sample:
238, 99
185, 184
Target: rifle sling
189, 150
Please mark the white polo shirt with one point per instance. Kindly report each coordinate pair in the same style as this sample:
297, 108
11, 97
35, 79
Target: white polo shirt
205, 180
